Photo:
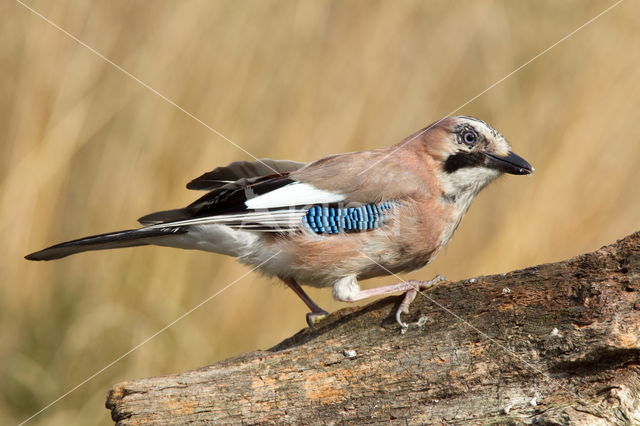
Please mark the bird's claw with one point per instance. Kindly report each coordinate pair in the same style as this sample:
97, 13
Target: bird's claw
410, 296
314, 317
432, 282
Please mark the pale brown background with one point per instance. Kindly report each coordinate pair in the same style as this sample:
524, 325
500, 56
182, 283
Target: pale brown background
86, 149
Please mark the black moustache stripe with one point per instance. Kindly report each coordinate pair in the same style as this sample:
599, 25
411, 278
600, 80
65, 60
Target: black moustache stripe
463, 159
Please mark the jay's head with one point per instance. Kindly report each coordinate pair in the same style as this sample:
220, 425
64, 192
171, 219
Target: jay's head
471, 154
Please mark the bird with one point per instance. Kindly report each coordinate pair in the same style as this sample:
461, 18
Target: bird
335, 221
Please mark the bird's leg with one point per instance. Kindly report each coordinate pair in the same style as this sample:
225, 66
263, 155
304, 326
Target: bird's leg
411, 294
411, 287
317, 313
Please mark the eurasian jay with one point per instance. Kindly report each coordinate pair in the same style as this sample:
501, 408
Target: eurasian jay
337, 220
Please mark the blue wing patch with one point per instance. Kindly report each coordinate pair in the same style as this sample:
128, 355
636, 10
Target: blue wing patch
332, 220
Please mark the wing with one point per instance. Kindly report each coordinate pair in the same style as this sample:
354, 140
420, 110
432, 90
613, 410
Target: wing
247, 195
327, 196
222, 181
272, 203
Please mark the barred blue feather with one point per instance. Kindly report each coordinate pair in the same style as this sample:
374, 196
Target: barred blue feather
333, 220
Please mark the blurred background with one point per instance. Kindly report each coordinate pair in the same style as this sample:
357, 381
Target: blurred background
86, 149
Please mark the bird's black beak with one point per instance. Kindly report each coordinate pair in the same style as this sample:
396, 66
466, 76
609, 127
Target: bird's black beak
511, 163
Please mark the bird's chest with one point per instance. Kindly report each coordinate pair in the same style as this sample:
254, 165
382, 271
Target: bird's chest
425, 227
413, 238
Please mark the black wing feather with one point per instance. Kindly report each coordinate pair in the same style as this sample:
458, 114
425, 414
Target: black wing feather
229, 187
230, 198
240, 170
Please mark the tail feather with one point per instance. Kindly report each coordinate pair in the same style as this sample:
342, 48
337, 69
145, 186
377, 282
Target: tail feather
128, 238
165, 216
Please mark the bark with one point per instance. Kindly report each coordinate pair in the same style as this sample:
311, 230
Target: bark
551, 344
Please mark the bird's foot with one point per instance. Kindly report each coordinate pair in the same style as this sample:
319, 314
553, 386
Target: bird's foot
410, 296
314, 317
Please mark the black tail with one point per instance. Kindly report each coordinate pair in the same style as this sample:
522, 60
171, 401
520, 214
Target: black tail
128, 238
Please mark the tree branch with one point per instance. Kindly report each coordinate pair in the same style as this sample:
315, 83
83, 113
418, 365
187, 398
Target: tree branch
553, 344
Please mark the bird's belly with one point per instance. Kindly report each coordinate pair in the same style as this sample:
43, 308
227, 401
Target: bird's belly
395, 258
321, 260
412, 263
406, 243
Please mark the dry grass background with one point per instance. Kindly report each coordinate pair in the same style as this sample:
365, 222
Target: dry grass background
85, 149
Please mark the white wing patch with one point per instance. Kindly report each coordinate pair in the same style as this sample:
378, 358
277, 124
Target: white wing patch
294, 194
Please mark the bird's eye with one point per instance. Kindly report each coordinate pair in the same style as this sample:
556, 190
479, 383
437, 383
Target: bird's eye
469, 137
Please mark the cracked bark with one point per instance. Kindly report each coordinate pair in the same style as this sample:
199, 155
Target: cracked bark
551, 344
